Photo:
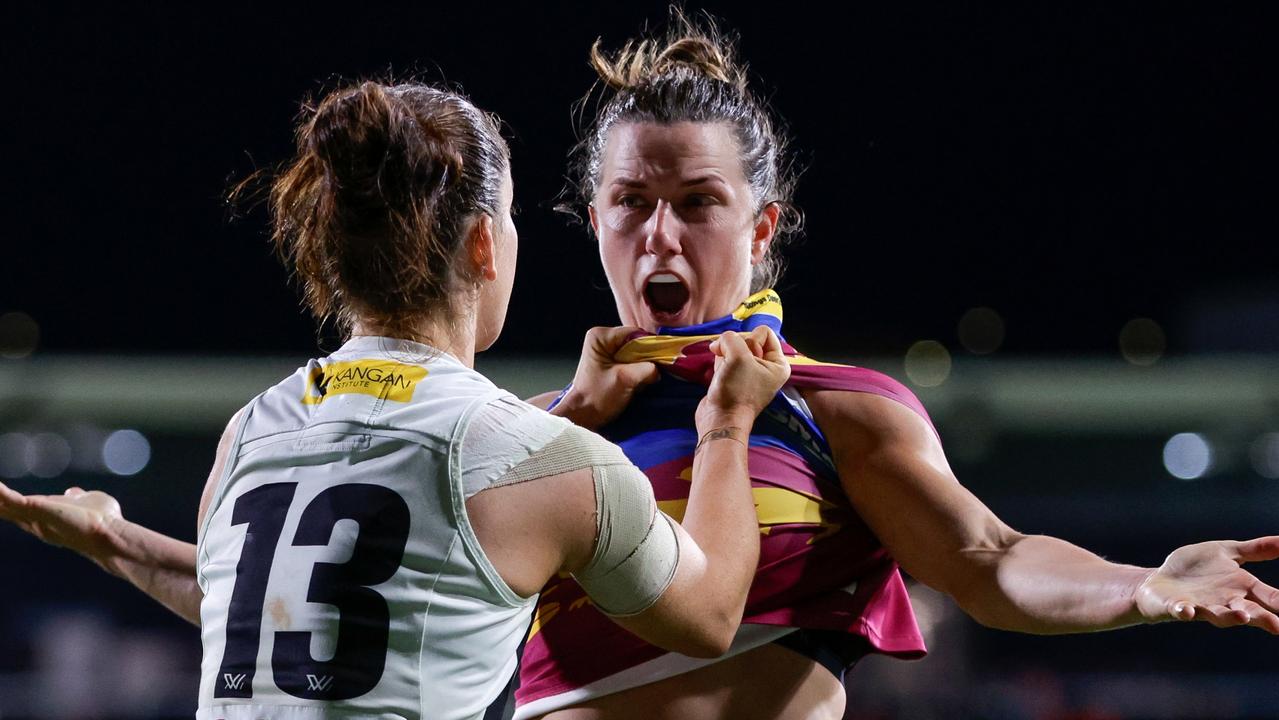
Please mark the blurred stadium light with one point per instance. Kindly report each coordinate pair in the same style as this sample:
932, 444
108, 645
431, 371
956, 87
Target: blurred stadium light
1028, 395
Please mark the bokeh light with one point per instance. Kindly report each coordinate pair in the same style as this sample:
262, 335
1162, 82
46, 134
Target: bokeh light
86, 447
126, 452
928, 363
981, 331
1142, 341
15, 454
49, 455
1188, 456
1264, 454
19, 335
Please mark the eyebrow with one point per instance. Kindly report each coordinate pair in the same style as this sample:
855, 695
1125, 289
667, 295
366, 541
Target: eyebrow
628, 182
702, 180
699, 180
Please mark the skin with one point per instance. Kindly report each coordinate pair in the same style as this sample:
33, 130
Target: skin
530, 531
904, 489
656, 210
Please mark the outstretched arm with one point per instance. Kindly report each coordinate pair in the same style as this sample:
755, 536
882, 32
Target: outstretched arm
91, 524
894, 471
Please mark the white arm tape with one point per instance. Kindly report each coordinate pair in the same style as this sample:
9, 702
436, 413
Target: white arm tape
636, 546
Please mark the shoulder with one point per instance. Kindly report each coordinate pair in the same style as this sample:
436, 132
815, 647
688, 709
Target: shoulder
501, 433
869, 409
876, 436
856, 384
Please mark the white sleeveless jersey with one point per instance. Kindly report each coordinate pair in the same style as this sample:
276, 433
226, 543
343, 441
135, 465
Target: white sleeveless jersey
341, 577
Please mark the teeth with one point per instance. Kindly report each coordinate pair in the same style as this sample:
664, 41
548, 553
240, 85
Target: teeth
663, 278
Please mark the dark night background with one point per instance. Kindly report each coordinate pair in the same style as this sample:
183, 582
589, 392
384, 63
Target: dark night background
1072, 167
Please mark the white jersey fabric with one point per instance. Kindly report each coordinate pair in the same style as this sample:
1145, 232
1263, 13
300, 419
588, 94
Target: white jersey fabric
341, 576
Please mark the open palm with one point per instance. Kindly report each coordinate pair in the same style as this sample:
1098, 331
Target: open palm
77, 520
1205, 581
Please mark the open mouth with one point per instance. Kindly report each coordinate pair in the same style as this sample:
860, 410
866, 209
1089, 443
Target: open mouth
666, 295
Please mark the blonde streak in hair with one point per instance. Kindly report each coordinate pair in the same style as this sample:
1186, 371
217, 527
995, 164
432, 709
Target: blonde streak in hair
609, 69
690, 51
641, 63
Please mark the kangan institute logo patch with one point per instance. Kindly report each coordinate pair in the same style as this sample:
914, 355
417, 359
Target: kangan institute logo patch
384, 379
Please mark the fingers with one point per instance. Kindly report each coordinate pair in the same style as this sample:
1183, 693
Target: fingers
771, 344
10, 501
1256, 615
607, 340
1264, 594
1263, 548
774, 356
1182, 610
1239, 611
645, 373
730, 346
1220, 616
755, 340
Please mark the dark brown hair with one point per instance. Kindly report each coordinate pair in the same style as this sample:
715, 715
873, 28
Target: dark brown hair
372, 211
691, 75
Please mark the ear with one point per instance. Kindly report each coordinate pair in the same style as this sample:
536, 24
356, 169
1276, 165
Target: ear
480, 248
595, 221
765, 226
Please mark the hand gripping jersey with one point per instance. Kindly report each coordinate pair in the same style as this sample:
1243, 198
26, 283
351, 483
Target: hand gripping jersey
342, 578
820, 567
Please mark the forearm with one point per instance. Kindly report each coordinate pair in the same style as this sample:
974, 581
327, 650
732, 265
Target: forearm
158, 565
721, 517
1044, 585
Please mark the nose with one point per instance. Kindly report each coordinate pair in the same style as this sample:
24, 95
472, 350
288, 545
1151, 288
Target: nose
662, 234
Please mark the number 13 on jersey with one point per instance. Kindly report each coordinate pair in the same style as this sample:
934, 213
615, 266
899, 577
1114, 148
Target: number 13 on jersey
362, 630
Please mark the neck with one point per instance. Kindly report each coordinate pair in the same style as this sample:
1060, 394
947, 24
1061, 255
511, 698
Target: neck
456, 339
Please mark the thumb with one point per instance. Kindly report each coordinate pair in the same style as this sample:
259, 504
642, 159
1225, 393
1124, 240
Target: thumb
730, 345
772, 346
606, 341
1262, 548
644, 373
1182, 610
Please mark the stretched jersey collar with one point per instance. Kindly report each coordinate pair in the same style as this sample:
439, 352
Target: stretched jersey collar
762, 308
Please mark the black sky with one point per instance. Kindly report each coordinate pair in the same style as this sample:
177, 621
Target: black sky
1071, 167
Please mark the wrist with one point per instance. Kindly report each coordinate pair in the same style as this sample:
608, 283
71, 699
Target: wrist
710, 418
727, 432
1140, 597
573, 406
109, 549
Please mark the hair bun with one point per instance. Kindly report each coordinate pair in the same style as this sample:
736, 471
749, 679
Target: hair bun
698, 53
371, 211
351, 134
685, 48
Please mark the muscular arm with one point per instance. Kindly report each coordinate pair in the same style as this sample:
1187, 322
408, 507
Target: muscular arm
894, 471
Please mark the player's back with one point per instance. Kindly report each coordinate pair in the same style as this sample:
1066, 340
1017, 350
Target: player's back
341, 576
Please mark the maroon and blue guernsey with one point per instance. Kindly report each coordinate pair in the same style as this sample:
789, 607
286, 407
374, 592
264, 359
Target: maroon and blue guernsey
820, 568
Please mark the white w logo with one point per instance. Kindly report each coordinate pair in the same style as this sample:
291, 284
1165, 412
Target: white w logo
234, 682
320, 683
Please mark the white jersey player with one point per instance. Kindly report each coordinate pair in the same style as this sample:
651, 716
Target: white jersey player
376, 527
